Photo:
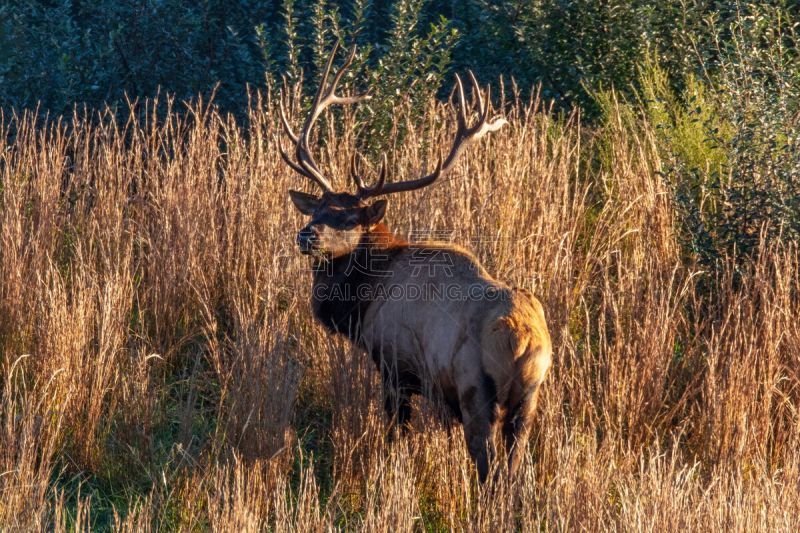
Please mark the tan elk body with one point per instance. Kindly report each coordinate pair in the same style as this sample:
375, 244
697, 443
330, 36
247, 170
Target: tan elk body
434, 321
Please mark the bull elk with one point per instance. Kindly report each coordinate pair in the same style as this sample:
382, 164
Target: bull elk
485, 355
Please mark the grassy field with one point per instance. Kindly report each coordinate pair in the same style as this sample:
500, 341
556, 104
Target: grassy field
161, 369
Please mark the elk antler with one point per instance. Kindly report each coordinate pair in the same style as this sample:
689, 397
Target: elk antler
464, 136
305, 164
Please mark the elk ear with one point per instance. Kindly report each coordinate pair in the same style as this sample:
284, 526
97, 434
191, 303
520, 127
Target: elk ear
375, 212
304, 202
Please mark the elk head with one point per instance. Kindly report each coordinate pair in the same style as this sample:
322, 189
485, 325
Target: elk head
340, 219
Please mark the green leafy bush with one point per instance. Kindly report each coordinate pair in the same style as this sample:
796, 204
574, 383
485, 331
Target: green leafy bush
60, 53
732, 153
406, 65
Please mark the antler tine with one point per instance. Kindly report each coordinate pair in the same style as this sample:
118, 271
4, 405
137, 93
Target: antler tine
381, 188
324, 97
354, 171
465, 134
478, 93
382, 173
327, 96
484, 126
462, 105
286, 127
300, 167
291, 163
346, 99
322, 83
365, 191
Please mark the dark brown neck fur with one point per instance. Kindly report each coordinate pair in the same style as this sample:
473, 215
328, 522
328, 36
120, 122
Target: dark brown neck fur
344, 286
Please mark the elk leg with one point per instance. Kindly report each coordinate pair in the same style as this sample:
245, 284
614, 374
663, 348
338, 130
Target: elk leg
517, 427
397, 389
397, 404
477, 408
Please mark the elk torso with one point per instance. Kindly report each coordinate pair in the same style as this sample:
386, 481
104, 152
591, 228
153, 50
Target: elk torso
433, 320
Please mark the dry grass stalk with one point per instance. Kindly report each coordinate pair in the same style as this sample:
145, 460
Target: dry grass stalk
156, 341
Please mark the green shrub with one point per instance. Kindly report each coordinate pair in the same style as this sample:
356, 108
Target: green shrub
60, 53
407, 65
729, 139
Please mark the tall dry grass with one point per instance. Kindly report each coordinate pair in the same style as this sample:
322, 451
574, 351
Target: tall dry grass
161, 370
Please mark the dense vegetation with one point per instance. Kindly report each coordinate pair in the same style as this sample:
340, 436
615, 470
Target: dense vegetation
62, 52
160, 368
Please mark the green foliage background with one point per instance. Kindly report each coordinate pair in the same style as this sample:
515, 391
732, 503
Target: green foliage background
719, 78
62, 52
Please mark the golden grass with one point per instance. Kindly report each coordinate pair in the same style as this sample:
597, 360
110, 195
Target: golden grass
161, 370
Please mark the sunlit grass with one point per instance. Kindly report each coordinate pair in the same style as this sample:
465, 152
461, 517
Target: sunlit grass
161, 369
